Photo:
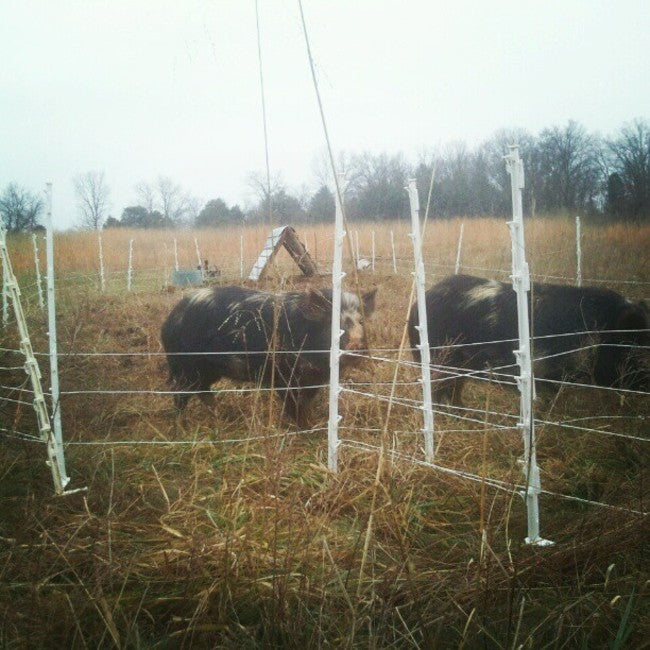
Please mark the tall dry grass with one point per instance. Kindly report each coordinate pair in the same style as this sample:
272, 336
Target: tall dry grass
211, 543
485, 250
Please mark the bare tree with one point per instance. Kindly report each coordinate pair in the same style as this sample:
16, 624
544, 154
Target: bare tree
92, 198
257, 183
19, 208
167, 202
628, 186
376, 186
496, 197
175, 204
146, 196
569, 168
321, 166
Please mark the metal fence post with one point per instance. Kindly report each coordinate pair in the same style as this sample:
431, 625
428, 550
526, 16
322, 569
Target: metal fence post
460, 247
102, 280
51, 326
198, 255
578, 253
5, 306
241, 257
521, 285
335, 344
53, 444
425, 352
358, 255
130, 271
39, 284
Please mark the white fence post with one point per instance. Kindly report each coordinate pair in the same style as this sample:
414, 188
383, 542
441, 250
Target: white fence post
356, 248
130, 271
39, 285
54, 450
373, 252
460, 247
241, 257
51, 326
175, 254
521, 285
198, 255
425, 352
102, 280
392, 246
5, 307
335, 343
578, 253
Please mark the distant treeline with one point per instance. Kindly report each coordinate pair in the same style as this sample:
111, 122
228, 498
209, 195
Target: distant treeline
568, 170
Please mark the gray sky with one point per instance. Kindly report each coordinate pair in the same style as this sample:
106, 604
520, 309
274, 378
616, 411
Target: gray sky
143, 88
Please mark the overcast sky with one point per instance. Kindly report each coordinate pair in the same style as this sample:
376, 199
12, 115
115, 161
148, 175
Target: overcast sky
143, 88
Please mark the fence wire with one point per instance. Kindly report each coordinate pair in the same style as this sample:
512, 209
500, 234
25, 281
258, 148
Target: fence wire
495, 483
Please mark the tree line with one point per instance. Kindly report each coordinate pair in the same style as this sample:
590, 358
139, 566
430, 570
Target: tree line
568, 170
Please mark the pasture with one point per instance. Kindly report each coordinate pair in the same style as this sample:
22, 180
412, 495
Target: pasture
230, 532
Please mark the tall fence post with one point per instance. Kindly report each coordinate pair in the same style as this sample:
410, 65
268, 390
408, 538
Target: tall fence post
521, 285
392, 246
198, 255
373, 252
356, 248
578, 253
241, 257
423, 346
130, 270
460, 248
335, 342
102, 280
51, 327
5, 307
54, 448
39, 285
175, 254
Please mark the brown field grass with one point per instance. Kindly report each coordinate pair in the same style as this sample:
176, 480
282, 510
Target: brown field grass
190, 540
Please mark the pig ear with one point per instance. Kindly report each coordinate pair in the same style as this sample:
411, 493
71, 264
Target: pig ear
315, 306
369, 302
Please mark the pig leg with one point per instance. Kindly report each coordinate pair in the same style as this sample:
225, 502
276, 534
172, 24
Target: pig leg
187, 389
447, 390
297, 403
180, 401
290, 401
208, 399
181, 398
449, 385
456, 391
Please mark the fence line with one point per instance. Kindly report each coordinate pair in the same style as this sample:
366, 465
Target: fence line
495, 483
15, 401
441, 409
361, 353
603, 432
353, 388
233, 269
28, 437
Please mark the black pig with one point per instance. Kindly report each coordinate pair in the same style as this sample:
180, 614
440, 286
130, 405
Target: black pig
463, 309
240, 323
